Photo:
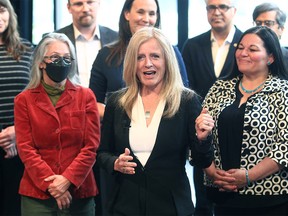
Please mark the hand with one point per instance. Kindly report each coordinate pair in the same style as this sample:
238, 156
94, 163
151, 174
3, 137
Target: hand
240, 177
204, 124
123, 165
59, 185
64, 201
7, 142
222, 179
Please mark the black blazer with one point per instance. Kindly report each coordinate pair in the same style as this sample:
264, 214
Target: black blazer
285, 55
162, 186
197, 56
107, 35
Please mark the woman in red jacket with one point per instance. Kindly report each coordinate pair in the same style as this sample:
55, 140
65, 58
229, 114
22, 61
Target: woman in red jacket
57, 134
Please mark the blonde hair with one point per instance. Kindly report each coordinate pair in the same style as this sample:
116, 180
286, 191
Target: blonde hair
172, 85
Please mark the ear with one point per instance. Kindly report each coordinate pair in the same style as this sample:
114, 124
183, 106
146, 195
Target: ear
270, 59
42, 65
127, 15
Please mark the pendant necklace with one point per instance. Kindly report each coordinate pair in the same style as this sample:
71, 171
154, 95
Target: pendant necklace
251, 91
147, 114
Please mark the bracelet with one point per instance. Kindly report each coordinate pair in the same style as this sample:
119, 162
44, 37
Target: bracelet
247, 178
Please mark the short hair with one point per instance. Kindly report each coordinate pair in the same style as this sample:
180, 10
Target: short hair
265, 7
40, 52
172, 84
232, 2
272, 46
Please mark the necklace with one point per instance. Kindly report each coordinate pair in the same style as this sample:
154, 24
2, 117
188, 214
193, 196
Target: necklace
147, 114
251, 91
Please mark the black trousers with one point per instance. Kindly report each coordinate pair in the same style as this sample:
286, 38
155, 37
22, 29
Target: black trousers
204, 207
11, 171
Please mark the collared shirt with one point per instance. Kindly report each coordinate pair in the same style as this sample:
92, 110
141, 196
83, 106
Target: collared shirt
220, 53
86, 51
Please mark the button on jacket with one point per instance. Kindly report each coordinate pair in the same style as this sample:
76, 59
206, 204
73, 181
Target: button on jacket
57, 140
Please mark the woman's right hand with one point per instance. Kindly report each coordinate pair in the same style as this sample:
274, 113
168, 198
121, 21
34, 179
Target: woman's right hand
204, 124
64, 200
123, 165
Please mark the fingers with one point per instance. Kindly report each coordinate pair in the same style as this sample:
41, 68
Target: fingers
64, 201
123, 163
50, 178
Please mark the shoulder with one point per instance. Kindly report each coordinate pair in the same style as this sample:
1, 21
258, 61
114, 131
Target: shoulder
198, 40
65, 29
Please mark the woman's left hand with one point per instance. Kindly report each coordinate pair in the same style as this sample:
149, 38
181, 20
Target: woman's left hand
59, 185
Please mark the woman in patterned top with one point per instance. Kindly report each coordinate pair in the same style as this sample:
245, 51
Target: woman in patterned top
250, 137
15, 55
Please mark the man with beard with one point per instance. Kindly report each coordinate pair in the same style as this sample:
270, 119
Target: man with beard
87, 36
207, 57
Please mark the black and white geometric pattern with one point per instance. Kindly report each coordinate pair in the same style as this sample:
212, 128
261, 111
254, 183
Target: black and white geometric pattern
265, 131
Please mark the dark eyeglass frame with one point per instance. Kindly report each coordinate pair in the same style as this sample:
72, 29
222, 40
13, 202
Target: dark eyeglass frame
268, 23
55, 58
221, 8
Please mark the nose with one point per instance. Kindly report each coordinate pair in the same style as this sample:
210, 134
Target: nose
146, 18
148, 63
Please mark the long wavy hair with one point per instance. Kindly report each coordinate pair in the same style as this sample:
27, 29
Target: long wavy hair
10, 36
40, 52
118, 49
172, 84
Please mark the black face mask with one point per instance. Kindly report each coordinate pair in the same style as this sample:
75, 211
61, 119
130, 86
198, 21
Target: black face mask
58, 71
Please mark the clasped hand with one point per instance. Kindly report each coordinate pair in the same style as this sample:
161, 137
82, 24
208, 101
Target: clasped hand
7, 142
59, 190
123, 165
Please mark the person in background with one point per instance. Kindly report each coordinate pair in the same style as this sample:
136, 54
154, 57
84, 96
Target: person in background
270, 15
107, 69
57, 128
248, 109
15, 53
207, 57
86, 34
147, 129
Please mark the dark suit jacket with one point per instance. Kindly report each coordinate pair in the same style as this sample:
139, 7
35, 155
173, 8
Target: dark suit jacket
197, 56
285, 55
107, 35
162, 186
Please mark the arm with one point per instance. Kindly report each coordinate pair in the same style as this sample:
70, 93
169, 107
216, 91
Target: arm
36, 168
182, 67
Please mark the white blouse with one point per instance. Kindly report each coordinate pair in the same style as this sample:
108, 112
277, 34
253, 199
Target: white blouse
142, 137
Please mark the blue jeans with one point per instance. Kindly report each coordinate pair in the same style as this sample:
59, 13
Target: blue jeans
35, 207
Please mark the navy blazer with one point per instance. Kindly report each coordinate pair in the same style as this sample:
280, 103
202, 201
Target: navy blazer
197, 56
162, 186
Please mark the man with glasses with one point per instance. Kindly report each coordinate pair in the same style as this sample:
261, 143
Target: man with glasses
270, 15
207, 57
87, 36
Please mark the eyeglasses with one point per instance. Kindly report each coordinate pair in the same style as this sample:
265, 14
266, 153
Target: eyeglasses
57, 58
222, 8
268, 23
79, 4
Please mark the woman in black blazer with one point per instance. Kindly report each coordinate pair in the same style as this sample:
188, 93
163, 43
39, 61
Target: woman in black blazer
147, 129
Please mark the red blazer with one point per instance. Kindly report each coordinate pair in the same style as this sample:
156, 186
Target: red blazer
57, 140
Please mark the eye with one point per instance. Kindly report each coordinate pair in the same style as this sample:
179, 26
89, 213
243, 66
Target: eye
140, 57
155, 56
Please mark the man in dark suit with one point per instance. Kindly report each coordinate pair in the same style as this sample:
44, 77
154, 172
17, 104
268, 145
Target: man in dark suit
87, 36
207, 57
270, 15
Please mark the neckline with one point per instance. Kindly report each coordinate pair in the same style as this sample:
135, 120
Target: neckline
253, 90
